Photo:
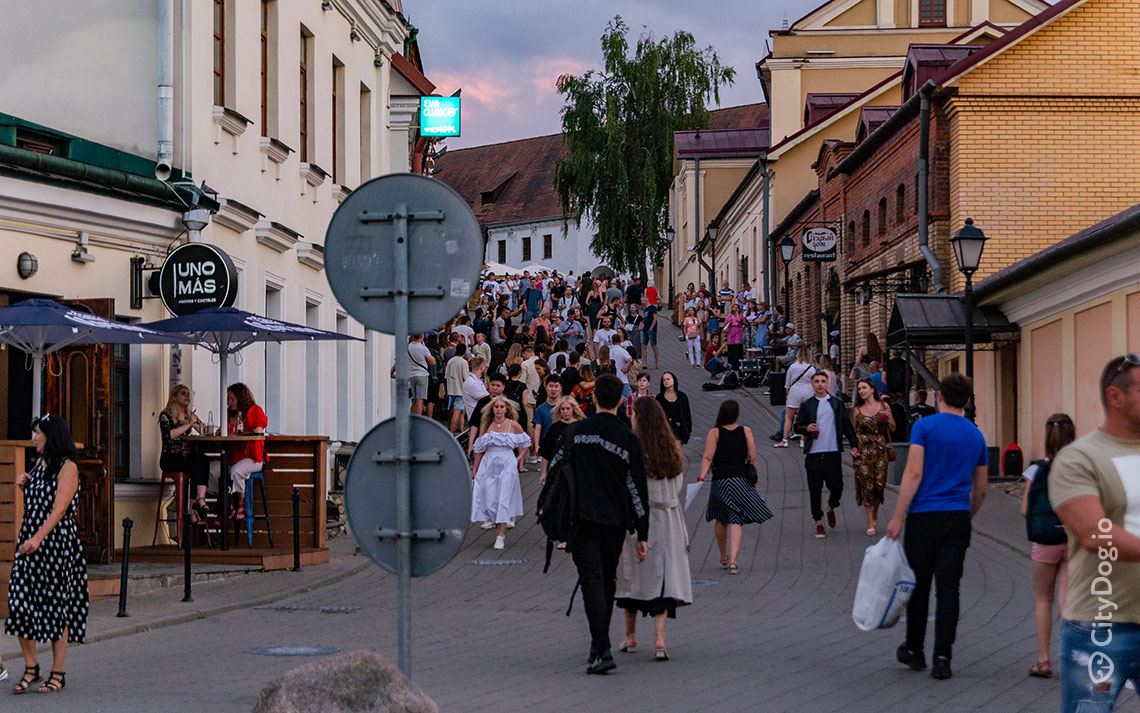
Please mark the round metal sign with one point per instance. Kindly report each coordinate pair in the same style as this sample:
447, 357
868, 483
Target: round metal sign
819, 244
444, 248
197, 276
441, 495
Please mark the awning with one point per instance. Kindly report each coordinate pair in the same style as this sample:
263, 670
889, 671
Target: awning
940, 320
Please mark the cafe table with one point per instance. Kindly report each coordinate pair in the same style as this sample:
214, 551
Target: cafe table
202, 444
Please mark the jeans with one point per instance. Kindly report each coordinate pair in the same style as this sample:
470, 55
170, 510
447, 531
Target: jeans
1096, 659
716, 365
935, 546
823, 468
693, 349
596, 552
780, 427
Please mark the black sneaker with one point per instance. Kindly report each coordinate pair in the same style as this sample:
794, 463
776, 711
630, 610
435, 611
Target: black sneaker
602, 664
915, 660
777, 436
941, 668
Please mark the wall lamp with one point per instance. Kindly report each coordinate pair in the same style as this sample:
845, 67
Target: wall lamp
27, 265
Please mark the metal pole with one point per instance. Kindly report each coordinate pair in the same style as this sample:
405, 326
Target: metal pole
187, 536
297, 529
403, 445
37, 383
969, 300
697, 218
787, 294
223, 461
127, 525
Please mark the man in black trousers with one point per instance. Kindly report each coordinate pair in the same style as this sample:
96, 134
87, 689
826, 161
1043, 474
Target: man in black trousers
823, 421
609, 470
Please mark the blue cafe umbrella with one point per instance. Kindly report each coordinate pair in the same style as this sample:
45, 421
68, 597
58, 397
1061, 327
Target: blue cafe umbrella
226, 330
41, 327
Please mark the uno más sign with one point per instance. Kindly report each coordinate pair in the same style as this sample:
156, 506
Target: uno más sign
819, 244
197, 276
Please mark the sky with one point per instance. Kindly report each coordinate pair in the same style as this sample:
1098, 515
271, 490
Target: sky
507, 54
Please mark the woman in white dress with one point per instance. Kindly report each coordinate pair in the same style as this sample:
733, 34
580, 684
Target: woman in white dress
497, 496
797, 381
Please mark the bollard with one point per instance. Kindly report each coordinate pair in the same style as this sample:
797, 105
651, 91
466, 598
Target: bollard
127, 525
296, 530
187, 536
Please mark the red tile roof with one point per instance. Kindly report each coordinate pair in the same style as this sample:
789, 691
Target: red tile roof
925, 62
871, 118
745, 116
412, 73
818, 107
723, 143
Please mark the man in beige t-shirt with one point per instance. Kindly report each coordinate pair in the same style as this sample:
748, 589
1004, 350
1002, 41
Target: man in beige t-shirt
1094, 485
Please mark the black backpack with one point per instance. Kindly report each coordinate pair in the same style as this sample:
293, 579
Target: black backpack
557, 507
1041, 522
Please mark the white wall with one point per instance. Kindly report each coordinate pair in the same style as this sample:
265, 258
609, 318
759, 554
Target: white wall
570, 252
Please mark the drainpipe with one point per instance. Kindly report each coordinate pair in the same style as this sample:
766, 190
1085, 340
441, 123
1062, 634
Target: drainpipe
165, 161
769, 252
195, 220
923, 187
697, 213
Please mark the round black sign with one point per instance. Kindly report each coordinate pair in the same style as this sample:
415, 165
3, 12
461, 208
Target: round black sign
197, 276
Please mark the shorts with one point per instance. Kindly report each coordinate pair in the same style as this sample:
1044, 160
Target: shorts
453, 403
649, 339
798, 395
1050, 554
419, 386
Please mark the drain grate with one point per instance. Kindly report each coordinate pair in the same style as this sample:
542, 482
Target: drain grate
704, 582
293, 608
293, 651
497, 563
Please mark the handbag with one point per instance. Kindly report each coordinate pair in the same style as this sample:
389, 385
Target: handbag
1042, 525
750, 473
891, 455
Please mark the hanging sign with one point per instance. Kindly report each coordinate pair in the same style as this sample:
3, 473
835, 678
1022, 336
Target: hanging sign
439, 116
819, 244
197, 276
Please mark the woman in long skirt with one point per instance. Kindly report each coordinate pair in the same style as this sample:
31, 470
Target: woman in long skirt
47, 592
733, 500
873, 422
660, 584
497, 496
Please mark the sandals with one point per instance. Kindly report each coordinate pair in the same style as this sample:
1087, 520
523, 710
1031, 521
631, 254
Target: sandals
660, 654
724, 563
629, 647
1041, 669
733, 569
31, 675
55, 683
781, 444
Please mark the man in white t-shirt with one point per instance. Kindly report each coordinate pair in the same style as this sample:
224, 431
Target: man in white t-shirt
822, 421
604, 335
473, 386
463, 327
420, 359
622, 361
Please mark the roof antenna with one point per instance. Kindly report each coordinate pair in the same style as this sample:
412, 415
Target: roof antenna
785, 26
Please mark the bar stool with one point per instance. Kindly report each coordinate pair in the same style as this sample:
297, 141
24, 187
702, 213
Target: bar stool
180, 500
249, 516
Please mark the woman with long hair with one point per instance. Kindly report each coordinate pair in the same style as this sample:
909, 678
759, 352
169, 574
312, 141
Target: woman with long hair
825, 364
243, 417
583, 392
177, 421
734, 325
675, 404
691, 329
497, 495
604, 365
873, 423
514, 356
660, 584
1050, 562
47, 590
734, 501
797, 384
566, 412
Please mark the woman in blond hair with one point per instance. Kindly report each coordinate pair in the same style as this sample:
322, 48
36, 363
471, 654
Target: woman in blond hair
497, 495
175, 423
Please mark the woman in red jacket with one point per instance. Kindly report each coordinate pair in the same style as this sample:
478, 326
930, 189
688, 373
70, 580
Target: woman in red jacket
245, 417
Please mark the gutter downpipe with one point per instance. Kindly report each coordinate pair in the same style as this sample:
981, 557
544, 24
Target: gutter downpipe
165, 159
769, 251
924, 189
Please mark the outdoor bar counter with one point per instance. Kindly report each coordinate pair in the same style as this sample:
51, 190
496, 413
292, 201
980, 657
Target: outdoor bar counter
13, 455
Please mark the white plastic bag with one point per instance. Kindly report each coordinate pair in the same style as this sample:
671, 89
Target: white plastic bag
885, 585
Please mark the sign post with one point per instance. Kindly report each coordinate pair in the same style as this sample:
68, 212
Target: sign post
402, 255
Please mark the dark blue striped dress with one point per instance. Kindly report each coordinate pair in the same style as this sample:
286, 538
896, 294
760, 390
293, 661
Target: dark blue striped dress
732, 499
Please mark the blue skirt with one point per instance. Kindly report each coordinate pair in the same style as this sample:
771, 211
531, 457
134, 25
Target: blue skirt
734, 501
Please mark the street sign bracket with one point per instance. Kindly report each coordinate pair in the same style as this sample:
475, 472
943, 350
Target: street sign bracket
387, 533
421, 457
369, 217
383, 293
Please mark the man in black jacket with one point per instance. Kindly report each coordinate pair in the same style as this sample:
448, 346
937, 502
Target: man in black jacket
609, 469
823, 421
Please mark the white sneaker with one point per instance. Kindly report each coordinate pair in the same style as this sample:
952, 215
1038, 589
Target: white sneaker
500, 542
487, 526
510, 525
3, 674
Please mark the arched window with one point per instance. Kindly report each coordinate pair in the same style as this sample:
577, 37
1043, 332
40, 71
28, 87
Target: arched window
866, 228
900, 202
883, 218
850, 241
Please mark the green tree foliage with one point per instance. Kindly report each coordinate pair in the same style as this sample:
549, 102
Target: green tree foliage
618, 127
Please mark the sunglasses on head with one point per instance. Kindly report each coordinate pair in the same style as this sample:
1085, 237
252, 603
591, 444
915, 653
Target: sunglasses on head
1129, 360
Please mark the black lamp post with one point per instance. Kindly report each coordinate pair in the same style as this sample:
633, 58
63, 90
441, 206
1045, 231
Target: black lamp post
670, 234
713, 230
787, 251
968, 245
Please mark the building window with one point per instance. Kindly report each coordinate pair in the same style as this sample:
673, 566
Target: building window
337, 120
900, 204
365, 133
866, 228
932, 13
274, 364
268, 68
306, 46
502, 252
547, 247
121, 413
850, 241
312, 372
219, 52
916, 191
882, 217
343, 419
526, 249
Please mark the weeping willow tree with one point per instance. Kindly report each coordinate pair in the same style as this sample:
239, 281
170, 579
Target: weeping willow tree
618, 127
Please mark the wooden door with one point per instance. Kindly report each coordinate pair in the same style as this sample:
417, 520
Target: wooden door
78, 388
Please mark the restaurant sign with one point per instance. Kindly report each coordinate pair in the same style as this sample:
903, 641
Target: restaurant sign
197, 276
439, 116
819, 244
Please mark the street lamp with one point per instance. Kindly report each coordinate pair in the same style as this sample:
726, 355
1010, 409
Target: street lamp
713, 229
670, 234
968, 245
787, 251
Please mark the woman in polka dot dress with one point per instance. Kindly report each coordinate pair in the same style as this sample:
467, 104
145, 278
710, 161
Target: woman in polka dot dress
47, 592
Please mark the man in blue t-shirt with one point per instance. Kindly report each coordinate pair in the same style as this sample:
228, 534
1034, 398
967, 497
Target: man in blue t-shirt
649, 330
942, 488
